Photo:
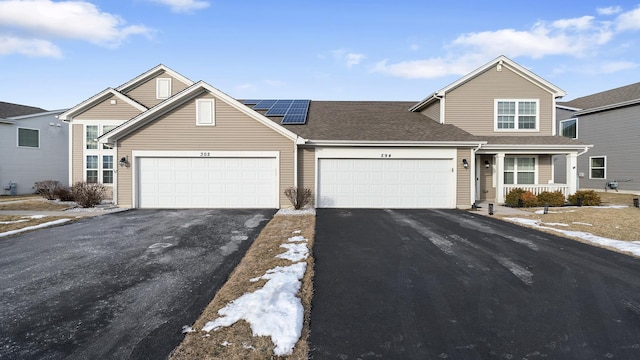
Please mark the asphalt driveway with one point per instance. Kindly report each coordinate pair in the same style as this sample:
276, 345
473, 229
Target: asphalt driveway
117, 286
432, 284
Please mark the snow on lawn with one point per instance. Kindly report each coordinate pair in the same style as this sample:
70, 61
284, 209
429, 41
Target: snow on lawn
274, 310
632, 247
39, 226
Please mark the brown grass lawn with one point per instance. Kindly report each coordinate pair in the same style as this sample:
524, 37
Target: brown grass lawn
34, 205
16, 222
6, 198
620, 224
237, 341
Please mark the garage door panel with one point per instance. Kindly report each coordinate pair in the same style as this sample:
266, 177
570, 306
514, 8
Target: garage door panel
385, 183
207, 182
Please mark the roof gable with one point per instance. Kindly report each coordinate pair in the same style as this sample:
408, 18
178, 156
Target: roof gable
498, 62
144, 77
621, 96
179, 99
96, 99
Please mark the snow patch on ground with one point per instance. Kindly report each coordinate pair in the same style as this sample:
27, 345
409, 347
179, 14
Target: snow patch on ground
295, 252
34, 227
305, 211
631, 247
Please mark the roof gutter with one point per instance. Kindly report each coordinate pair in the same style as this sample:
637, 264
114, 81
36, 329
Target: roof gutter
374, 143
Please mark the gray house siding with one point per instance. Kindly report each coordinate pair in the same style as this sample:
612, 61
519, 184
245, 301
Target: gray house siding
560, 161
26, 165
616, 135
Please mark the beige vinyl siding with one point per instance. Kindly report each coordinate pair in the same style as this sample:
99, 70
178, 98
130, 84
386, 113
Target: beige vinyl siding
233, 131
486, 189
471, 106
306, 168
77, 160
463, 186
544, 169
145, 93
432, 111
106, 111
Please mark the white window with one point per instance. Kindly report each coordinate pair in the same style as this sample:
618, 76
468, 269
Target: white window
163, 88
569, 128
107, 169
205, 112
597, 167
28, 138
106, 129
516, 115
520, 170
92, 168
91, 137
99, 159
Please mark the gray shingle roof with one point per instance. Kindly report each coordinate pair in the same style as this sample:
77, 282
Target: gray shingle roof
8, 110
373, 121
609, 97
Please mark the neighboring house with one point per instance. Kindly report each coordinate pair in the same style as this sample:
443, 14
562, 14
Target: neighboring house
610, 120
33, 147
164, 141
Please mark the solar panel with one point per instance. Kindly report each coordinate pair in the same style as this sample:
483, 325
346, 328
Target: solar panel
280, 108
264, 105
294, 119
251, 102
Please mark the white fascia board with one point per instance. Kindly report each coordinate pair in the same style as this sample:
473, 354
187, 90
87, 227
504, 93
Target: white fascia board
53, 112
395, 143
564, 107
424, 102
152, 72
523, 149
5, 121
68, 115
179, 99
607, 107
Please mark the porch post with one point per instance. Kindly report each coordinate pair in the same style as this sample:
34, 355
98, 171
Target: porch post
572, 172
499, 178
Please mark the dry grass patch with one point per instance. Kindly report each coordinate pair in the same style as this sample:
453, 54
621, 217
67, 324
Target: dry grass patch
616, 198
237, 341
6, 198
35, 205
16, 222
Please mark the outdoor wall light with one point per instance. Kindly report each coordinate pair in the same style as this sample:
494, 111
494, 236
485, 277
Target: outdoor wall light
465, 163
124, 161
487, 164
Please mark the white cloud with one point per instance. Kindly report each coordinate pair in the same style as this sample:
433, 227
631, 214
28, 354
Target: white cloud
35, 21
181, 6
629, 20
348, 58
581, 23
611, 10
610, 67
429, 68
29, 47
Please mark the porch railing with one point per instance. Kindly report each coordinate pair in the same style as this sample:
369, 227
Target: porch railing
536, 189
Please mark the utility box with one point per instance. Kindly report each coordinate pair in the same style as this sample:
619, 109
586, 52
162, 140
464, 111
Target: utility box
13, 189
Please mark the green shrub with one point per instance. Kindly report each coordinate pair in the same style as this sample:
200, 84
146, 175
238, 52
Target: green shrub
47, 188
589, 198
513, 196
299, 198
88, 194
555, 198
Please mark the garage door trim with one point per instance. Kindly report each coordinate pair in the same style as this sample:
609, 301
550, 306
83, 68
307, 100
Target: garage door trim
138, 154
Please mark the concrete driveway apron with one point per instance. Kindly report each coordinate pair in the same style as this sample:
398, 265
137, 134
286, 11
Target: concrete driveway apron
117, 286
448, 284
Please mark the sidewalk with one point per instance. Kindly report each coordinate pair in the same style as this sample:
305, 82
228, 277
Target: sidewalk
501, 210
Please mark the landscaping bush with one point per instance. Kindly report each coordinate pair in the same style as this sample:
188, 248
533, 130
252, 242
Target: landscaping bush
47, 188
64, 193
513, 196
589, 198
529, 199
555, 198
88, 194
299, 197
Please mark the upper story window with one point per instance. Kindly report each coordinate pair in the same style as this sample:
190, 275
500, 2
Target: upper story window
598, 167
569, 128
516, 115
163, 88
28, 138
99, 159
205, 112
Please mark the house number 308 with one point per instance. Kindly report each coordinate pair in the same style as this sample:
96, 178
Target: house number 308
385, 155
205, 154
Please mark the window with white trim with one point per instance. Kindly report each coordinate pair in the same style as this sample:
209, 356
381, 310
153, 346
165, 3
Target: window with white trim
205, 112
92, 168
569, 128
28, 138
597, 167
516, 114
163, 88
99, 159
520, 170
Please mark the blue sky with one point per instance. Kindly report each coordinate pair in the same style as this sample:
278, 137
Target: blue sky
55, 54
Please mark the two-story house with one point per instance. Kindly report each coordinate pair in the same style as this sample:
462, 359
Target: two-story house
33, 147
163, 141
610, 121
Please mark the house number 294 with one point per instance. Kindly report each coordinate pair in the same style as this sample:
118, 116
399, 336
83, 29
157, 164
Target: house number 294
385, 155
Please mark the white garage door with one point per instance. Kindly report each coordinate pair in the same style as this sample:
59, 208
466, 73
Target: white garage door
385, 183
207, 183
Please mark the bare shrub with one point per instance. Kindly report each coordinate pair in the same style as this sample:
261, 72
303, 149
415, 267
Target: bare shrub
88, 194
64, 193
299, 197
47, 188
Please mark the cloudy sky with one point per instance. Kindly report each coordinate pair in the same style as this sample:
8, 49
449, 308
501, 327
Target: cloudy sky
55, 54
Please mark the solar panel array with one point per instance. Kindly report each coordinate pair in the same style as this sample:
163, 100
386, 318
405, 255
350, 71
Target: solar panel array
292, 111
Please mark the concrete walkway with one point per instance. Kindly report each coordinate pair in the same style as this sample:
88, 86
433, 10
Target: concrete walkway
499, 210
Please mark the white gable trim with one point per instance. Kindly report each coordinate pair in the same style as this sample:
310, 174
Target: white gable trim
92, 101
151, 73
179, 99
